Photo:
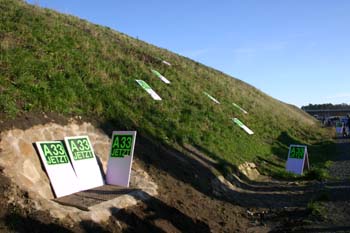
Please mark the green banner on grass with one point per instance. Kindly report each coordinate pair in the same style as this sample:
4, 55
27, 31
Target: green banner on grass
245, 128
211, 97
239, 107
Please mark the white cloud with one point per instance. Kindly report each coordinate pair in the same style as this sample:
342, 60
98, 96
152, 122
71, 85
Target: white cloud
339, 96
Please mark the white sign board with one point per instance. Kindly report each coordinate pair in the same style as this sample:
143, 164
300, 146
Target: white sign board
149, 90
84, 162
160, 76
211, 97
120, 158
298, 159
239, 107
166, 63
244, 127
60, 171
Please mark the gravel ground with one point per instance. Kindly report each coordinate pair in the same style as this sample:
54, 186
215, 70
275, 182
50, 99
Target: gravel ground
341, 167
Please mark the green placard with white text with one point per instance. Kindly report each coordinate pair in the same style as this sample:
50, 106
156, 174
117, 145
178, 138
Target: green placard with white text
84, 162
148, 89
120, 159
80, 148
298, 159
54, 153
121, 145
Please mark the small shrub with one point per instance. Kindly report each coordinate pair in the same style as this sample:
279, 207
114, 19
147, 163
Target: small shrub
317, 209
319, 174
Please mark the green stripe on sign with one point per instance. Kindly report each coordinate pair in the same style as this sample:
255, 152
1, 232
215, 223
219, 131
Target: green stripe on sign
80, 148
239, 107
143, 84
297, 152
121, 145
238, 122
211, 97
156, 73
54, 153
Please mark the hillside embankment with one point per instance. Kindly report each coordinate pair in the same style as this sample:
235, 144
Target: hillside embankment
192, 150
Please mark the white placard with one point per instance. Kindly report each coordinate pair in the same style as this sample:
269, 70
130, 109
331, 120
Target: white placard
166, 63
149, 90
298, 159
211, 97
58, 167
84, 162
120, 158
240, 108
243, 126
160, 76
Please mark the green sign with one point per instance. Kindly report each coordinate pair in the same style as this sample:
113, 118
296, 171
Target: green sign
237, 106
148, 89
160, 76
144, 85
297, 152
211, 97
243, 126
121, 145
80, 148
54, 153
156, 73
238, 122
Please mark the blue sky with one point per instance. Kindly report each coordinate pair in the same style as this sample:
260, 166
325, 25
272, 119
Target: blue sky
297, 51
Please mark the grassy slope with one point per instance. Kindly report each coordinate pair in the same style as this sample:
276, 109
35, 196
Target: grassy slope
59, 63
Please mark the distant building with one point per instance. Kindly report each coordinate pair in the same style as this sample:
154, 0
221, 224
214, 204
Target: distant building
325, 113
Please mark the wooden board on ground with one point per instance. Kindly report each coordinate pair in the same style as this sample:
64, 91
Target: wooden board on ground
85, 199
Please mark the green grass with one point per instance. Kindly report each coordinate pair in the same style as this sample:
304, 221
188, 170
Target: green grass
51, 62
317, 209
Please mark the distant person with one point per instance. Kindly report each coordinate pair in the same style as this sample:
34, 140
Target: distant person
343, 129
348, 123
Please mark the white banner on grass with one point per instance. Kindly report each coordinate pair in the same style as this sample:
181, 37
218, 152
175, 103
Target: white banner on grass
149, 90
245, 128
239, 107
211, 97
160, 76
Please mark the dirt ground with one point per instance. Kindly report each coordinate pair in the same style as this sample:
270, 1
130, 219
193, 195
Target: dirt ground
191, 199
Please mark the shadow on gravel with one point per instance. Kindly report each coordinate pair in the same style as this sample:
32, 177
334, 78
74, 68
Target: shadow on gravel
343, 150
21, 224
157, 216
90, 226
326, 229
203, 176
241, 180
